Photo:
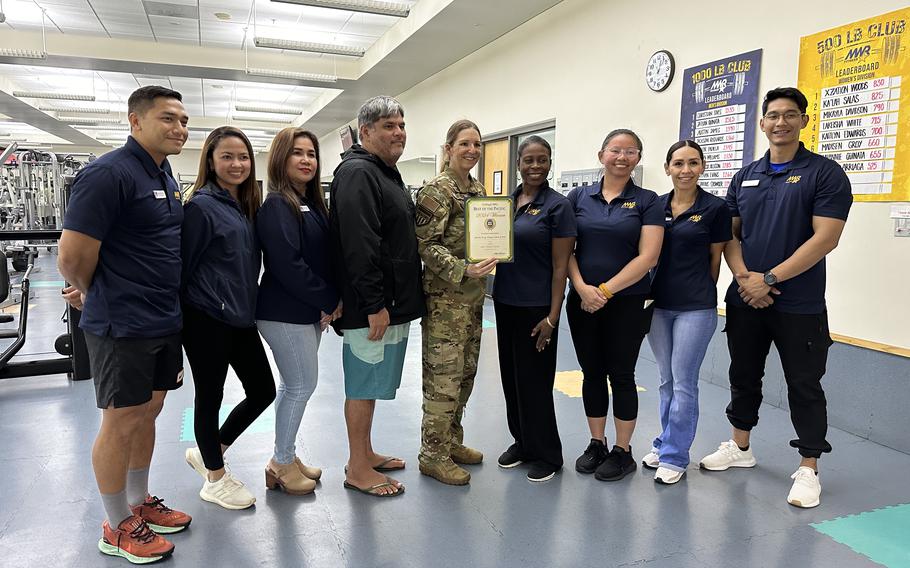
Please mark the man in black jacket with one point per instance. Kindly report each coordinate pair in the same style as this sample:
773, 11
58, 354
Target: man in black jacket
376, 260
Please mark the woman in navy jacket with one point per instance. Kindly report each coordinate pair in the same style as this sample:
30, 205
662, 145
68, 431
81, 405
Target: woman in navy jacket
218, 291
297, 298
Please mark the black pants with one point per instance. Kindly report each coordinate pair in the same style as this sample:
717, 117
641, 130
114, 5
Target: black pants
802, 341
607, 343
210, 347
527, 382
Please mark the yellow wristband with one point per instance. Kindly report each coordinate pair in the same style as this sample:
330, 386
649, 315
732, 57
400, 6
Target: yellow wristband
606, 291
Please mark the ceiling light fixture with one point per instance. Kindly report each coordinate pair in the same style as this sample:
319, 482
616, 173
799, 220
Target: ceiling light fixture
278, 74
75, 110
313, 47
252, 107
85, 120
53, 96
23, 53
250, 118
364, 6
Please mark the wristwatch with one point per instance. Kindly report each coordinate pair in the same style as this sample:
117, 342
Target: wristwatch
769, 278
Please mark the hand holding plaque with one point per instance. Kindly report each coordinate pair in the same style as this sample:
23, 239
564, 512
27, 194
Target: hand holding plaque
488, 229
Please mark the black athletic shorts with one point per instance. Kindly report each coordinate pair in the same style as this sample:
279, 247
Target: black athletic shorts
127, 370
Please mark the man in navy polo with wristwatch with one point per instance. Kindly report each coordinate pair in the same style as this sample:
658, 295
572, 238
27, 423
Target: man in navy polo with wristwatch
789, 209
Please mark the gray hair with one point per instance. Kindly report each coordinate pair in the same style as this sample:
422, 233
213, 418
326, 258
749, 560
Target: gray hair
377, 108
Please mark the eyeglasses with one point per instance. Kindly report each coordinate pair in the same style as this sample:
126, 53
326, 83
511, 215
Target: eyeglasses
627, 152
789, 116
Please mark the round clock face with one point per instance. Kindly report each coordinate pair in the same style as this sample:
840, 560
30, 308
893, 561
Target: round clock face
659, 71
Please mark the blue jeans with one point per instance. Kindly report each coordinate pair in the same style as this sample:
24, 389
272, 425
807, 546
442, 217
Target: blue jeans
679, 341
296, 348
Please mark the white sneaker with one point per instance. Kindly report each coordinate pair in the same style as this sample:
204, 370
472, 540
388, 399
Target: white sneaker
728, 455
651, 459
667, 476
194, 459
228, 492
806, 488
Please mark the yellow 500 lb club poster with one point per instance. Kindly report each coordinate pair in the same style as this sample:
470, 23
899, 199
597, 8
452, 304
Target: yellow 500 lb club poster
853, 77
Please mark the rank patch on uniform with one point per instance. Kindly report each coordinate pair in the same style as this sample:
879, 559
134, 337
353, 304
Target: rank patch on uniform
426, 209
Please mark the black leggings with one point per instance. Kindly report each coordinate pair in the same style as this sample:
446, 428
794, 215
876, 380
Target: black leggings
210, 347
607, 344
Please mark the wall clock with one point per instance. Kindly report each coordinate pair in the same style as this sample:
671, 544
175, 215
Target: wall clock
660, 69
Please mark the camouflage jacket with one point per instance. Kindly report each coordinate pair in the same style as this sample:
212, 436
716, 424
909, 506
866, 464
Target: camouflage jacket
441, 238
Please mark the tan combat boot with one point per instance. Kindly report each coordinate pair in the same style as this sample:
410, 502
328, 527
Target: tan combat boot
445, 471
289, 478
465, 455
313, 473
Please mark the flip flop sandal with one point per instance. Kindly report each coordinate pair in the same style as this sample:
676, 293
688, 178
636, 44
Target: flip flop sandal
382, 465
372, 489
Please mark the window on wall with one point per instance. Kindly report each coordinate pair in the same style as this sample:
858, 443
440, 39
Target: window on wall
548, 134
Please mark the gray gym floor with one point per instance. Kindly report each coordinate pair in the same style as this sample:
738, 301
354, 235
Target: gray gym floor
50, 512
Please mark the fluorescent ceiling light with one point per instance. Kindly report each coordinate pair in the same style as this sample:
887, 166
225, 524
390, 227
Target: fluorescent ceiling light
253, 107
75, 110
329, 48
85, 120
253, 118
278, 74
24, 53
365, 6
53, 96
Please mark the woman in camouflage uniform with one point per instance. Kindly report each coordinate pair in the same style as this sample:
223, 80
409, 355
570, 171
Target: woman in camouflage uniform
455, 294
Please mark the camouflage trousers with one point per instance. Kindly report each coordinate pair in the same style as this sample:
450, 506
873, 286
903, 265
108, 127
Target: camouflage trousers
451, 344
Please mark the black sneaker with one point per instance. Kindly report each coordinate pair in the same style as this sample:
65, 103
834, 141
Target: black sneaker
619, 463
541, 471
510, 458
595, 455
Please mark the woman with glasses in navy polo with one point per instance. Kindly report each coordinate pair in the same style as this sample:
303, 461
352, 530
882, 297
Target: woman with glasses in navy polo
697, 226
527, 297
620, 230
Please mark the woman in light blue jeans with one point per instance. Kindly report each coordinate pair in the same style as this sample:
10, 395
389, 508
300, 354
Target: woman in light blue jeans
297, 298
698, 225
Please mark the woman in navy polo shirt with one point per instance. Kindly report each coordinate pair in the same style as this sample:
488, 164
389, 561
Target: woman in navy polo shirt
220, 267
528, 296
620, 229
297, 298
698, 225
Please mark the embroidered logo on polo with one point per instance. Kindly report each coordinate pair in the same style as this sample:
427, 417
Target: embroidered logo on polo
695, 218
793, 179
629, 205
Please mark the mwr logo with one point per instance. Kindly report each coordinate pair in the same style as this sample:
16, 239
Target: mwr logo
629, 205
858, 52
793, 179
695, 218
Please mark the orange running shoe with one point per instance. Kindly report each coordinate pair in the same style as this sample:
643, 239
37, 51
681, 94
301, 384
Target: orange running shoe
161, 518
135, 541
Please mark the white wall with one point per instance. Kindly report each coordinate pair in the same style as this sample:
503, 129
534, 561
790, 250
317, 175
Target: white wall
582, 63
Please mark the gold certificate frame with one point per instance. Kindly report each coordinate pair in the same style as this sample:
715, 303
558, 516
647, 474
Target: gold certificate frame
489, 229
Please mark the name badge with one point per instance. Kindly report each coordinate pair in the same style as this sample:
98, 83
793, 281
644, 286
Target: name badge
304, 209
160, 194
750, 183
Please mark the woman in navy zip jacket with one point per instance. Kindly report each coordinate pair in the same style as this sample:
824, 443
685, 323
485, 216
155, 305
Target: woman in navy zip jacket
218, 292
297, 298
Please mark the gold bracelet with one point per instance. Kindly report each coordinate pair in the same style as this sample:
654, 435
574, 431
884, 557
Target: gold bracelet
549, 323
606, 291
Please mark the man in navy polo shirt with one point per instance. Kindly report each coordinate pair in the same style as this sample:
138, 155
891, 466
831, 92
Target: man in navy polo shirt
789, 210
120, 249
